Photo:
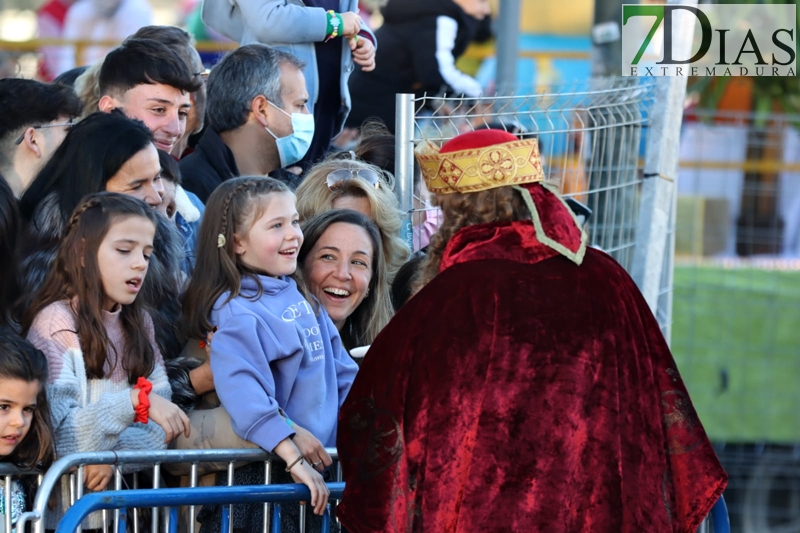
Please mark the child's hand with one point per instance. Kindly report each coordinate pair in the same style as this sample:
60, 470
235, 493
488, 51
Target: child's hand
311, 448
351, 24
303, 473
363, 53
96, 477
169, 416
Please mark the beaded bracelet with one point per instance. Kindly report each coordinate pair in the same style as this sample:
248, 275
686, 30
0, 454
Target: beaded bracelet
334, 23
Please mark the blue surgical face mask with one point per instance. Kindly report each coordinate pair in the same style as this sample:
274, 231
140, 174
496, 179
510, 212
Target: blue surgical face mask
294, 146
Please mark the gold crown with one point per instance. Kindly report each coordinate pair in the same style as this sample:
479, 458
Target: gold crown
479, 169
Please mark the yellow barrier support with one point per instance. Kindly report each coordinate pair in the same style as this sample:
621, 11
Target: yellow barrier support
543, 58
81, 45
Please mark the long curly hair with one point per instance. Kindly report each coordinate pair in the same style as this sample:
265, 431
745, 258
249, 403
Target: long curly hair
314, 197
460, 210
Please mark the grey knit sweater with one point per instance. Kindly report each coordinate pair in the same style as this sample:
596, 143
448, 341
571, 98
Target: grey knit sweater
91, 415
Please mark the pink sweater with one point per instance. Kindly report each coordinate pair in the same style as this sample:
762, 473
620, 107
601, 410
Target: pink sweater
93, 414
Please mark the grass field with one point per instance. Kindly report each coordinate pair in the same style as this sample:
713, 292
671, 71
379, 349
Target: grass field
740, 325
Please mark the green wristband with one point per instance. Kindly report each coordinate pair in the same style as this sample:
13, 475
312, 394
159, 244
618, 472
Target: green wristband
329, 29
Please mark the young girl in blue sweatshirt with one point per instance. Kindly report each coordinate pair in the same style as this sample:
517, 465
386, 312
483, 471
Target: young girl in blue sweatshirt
278, 363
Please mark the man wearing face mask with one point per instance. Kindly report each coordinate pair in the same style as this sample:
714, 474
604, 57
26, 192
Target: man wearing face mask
258, 122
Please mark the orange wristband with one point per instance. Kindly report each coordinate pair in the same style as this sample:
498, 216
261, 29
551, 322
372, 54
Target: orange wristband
143, 409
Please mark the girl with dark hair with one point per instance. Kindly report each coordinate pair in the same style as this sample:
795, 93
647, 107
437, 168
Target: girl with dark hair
26, 435
107, 376
9, 233
103, 152
342, 267
278, 364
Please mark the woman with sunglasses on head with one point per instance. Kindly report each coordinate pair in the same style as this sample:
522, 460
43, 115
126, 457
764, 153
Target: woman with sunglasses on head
353, 184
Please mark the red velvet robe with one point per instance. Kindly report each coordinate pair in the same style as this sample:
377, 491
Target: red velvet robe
520, 392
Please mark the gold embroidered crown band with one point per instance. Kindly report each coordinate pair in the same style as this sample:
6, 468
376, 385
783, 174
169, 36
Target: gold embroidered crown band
479, 169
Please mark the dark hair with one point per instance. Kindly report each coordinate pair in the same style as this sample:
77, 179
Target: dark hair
403, 282
27, 103
240, 76
174, 38
68, 78
377, 146
20, 360
144, 61
75, 276
372, 315
10, 228
231, 208
92, 153
170, 170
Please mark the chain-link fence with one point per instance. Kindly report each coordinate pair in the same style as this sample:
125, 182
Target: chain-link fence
593, 137
737, 305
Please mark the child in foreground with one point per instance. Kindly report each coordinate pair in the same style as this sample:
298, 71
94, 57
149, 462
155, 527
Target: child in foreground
279, 369
26, 436
108, 389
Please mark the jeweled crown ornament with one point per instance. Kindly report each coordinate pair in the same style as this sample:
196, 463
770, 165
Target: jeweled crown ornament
479, 160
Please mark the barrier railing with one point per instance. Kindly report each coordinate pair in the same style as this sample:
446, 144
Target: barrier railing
272, 494
81, 45
72, 465
8, 472
156, 498
541, 58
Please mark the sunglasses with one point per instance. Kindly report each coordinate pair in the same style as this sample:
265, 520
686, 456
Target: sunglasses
203, 75
337, 178
67, 125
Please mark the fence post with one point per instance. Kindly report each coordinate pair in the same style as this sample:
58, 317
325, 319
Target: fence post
655, 245
507, 46
404, 162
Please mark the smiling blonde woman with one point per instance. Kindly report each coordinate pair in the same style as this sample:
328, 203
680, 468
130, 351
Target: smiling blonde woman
353, 184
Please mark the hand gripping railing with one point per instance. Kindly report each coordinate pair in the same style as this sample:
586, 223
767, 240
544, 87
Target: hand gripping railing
195, 496
152, 459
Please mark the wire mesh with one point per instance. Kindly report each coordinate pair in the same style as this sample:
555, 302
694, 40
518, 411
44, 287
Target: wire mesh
737, 305
591, 136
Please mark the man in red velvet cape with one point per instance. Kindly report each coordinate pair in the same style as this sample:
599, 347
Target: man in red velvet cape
527, 387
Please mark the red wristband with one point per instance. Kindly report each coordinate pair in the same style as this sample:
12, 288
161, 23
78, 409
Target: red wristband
143, 409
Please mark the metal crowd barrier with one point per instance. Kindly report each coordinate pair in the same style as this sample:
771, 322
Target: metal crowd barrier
197, 496
156, 498
72, 465
8, 472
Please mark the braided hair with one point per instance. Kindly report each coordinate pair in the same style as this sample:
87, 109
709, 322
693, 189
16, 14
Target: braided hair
76, 277
231, 210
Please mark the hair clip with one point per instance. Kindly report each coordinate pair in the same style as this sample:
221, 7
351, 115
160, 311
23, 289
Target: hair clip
221, 240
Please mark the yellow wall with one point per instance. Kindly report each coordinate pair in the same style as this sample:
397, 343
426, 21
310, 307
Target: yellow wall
564, 17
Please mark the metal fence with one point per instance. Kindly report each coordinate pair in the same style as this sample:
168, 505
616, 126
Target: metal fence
604, 143
159, 520
268, 494
737, 305
10, 474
